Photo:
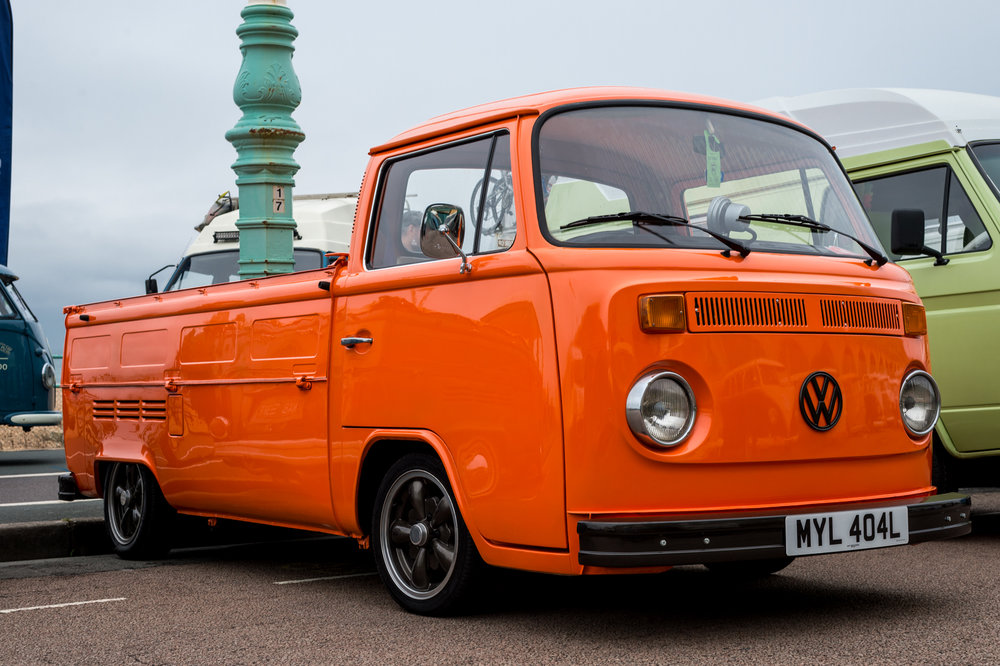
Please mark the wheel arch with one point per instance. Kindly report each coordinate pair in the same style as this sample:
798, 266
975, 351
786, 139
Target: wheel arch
382, 450
104, 460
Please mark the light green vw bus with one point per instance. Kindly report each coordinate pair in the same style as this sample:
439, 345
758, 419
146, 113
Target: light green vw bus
931, 160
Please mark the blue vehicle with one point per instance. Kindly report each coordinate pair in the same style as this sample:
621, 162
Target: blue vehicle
27, 375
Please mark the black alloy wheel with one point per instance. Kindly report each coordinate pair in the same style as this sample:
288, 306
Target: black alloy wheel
423, 550
137, 517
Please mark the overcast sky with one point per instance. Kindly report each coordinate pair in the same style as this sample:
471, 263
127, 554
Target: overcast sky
121, 106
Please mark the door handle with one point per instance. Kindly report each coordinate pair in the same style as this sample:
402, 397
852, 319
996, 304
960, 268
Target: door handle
350, 342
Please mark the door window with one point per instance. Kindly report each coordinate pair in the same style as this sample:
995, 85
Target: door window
951, 224
474, 176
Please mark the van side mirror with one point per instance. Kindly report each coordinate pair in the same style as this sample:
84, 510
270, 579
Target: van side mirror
441, 233
908, 235
151, 286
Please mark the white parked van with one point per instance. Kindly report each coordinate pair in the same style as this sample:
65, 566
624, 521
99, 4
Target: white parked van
323, 224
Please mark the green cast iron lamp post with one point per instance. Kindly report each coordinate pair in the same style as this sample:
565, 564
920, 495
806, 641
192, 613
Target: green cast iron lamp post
267, 91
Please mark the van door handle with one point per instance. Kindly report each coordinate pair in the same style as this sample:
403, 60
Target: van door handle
350, 342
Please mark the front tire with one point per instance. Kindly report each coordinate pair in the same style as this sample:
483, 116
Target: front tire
137, 517
423, 550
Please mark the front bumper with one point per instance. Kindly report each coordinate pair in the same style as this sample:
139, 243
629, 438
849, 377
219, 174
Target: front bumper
644, 543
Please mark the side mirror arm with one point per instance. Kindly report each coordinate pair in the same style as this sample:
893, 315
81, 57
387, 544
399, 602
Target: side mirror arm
940, 259
466, 266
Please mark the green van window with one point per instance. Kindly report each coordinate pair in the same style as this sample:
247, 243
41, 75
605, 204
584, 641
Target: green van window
951, 223
988, 157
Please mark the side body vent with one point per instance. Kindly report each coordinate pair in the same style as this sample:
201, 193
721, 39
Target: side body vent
130, 410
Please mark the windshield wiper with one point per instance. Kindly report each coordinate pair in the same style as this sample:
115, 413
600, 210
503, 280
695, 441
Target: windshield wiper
809, 223
640, 218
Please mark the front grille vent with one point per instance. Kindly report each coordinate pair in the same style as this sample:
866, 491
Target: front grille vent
749, 312
758, 312
860, 314
130, 410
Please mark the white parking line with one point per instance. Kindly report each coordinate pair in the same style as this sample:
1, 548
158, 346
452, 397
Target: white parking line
92, 499
313, 580
29, 476
72, 603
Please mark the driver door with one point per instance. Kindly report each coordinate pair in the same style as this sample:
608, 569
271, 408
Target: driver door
466, 357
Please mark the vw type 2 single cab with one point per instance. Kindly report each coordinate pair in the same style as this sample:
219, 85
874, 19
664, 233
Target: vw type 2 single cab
625, 330
926, 166
27, 372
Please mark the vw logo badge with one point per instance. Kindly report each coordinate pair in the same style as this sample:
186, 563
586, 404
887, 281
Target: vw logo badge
820, 401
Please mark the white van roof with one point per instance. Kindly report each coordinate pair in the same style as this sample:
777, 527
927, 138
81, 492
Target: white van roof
859, 121
323, 222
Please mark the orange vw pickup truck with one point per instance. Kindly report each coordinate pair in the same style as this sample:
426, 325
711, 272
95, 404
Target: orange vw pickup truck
582, 332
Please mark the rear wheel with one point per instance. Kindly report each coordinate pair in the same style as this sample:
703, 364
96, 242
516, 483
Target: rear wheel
423, 550
137, 516
750, 568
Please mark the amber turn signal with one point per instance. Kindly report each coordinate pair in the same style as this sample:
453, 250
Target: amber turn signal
914, 319
662, 313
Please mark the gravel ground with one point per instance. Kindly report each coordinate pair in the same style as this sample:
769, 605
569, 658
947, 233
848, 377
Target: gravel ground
48, 437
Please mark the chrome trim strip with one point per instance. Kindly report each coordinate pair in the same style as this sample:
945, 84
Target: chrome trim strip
195, 382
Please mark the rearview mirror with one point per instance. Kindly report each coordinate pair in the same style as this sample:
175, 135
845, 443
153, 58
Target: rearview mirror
907, 234
441, 223
151, 286
441, 233
908, 231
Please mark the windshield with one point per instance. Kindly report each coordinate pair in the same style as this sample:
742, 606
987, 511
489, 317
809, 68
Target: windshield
19, 303
988, 157
201, 270
7, 310
708, 170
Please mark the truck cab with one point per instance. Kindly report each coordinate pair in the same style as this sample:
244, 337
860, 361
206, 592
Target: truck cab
323, 225
27, 374
934, 157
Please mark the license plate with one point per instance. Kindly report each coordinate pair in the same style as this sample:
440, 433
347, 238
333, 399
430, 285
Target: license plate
840, 531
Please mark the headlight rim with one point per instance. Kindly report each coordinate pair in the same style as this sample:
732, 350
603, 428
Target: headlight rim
49, 378
633, 409
937, 395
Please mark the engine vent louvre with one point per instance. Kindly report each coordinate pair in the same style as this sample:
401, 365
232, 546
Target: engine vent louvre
104, 409
130, 410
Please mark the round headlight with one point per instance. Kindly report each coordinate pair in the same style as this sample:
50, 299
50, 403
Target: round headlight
919, 402
48, 376
660, 409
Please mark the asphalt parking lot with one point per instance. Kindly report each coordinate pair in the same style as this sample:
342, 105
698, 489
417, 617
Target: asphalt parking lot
317, 600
